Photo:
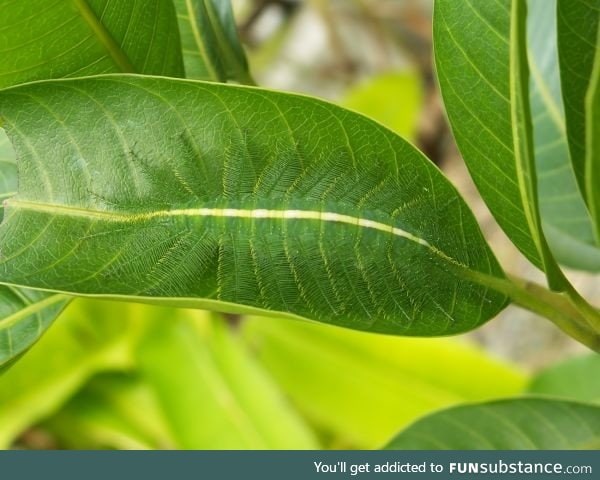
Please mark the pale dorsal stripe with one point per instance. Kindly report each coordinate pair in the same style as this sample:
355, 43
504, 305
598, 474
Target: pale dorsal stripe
258, 213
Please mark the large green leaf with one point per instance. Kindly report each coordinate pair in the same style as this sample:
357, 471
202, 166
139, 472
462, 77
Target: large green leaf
592, 137
566, 220
66, 39
210, 41
237, 199
41, 39
361, 389
24, 314
481, 60
88, 339
575, 378
514, 424
577, 26
8, 170
212, 393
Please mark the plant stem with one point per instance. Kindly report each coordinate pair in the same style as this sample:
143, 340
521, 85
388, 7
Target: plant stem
567, 310
591, 313
574, 316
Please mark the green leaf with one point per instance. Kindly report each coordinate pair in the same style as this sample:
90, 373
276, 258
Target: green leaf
385, 382
575, 378
513, 424
577, 26
24, 317
239, 200
24, 314
42, 39
210, 41
66, 39
8, 170
592, 125
229, 401
573, 252
395, 99
115, 411
567, 224
88, 339
481, 60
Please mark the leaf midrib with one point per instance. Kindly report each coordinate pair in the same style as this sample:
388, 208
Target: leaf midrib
104, 36
253, 214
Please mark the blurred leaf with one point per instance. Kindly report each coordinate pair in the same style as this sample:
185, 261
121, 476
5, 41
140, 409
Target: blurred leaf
88, 339
269, 50
480, 54
393, 99
513, 424
210, 41
24, 317
362, 388
567, 223
577, 25
112, 411
575, 378
212, 393
87, 37
203, 392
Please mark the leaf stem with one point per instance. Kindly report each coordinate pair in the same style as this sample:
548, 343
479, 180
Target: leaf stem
567, 310
591, 313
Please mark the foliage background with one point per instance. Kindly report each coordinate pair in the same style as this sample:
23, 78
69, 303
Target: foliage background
111, 375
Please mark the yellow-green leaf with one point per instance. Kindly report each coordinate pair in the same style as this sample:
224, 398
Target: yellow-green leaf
362, 388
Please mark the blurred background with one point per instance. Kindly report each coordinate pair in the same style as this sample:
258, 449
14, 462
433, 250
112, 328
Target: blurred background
115, 375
